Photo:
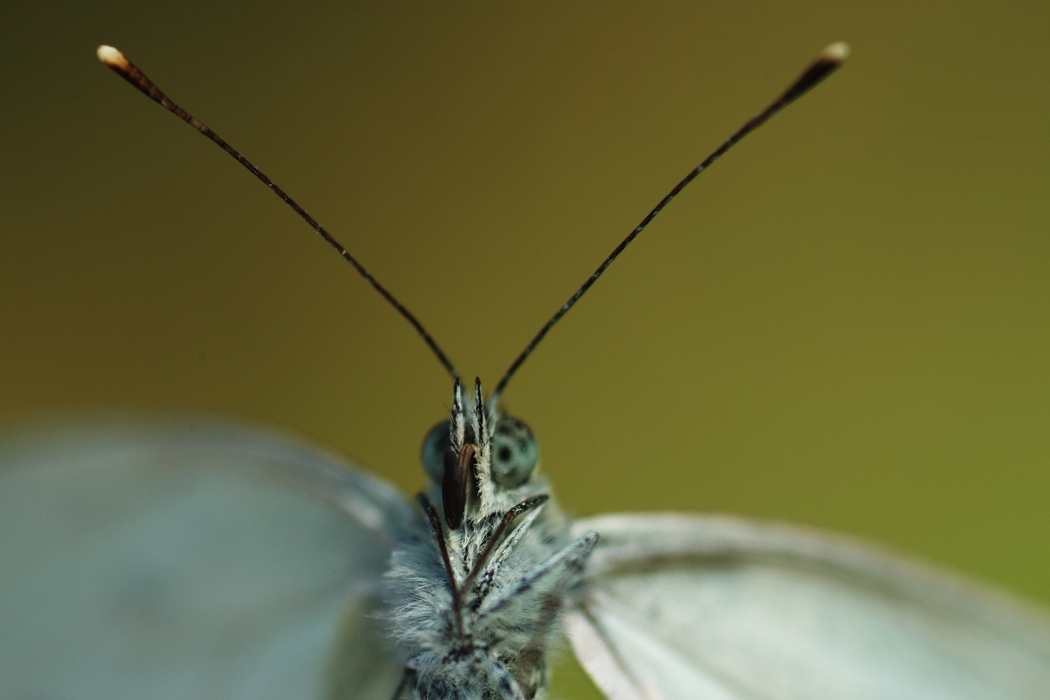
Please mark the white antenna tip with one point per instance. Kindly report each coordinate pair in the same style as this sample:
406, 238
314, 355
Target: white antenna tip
111, 57
837, 52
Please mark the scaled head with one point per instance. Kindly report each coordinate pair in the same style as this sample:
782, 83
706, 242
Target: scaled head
478, 458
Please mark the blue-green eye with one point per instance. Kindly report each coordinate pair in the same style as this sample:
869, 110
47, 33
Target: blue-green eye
435, 445
514, 453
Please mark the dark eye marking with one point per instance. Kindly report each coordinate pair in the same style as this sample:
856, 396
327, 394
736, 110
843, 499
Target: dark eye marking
515, 453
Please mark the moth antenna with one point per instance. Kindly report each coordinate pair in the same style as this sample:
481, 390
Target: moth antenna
117, 61
826, 63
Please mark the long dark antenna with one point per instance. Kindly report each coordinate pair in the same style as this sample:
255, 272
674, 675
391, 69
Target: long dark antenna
130, 72
829, 60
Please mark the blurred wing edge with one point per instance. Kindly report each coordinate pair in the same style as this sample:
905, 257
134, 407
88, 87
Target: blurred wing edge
635, 543
198, 461
367, 499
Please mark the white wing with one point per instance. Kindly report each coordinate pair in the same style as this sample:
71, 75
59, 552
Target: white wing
190, 561
712, 608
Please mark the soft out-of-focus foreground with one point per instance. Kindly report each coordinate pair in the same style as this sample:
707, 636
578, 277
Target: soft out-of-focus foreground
845, 323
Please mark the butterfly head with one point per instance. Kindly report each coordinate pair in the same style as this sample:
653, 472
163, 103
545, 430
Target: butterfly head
478, 460
477, 601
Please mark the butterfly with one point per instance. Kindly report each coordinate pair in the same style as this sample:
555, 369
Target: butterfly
207, 559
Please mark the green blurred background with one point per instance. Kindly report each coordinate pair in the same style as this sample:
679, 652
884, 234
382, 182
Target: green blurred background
843, 324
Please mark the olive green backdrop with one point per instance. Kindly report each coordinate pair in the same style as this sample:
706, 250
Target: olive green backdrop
843, 324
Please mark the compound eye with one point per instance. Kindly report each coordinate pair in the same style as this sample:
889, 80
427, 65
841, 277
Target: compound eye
435, 445
514, 453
